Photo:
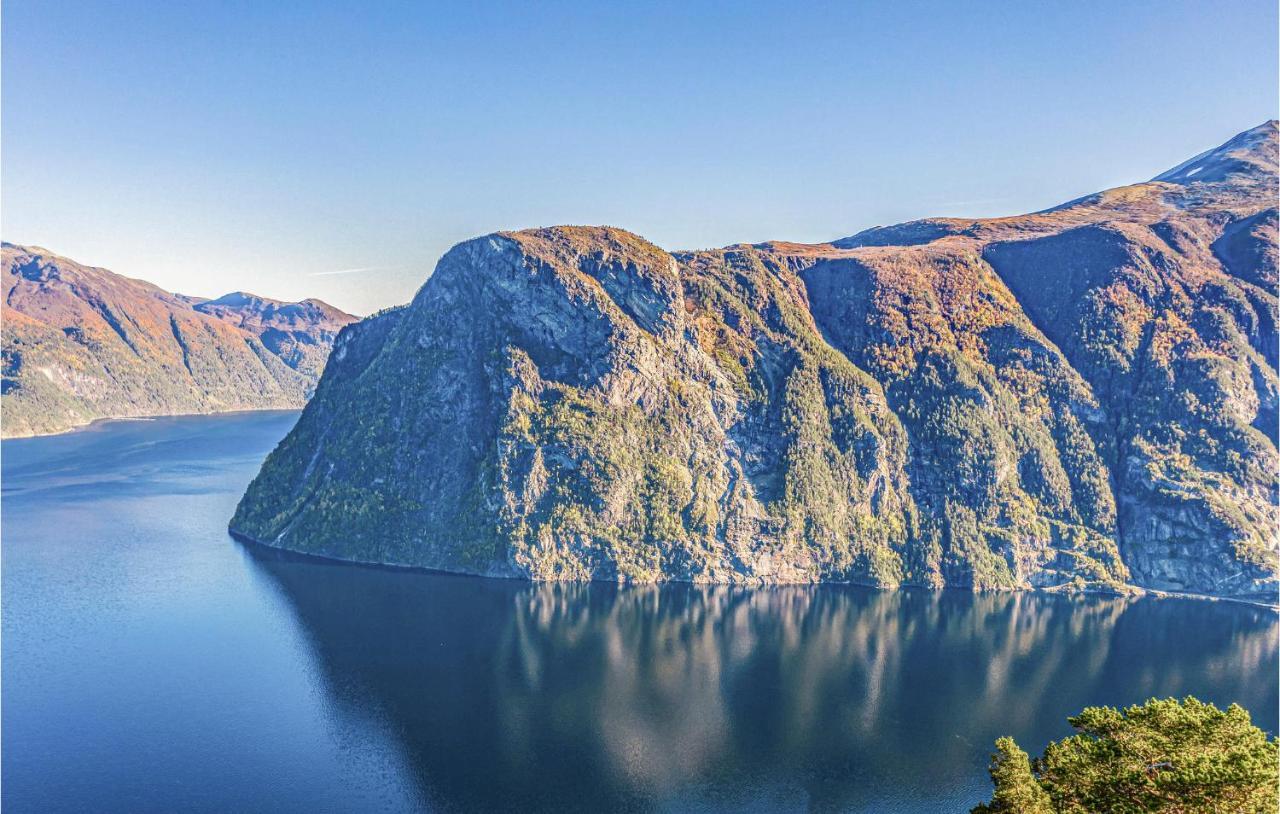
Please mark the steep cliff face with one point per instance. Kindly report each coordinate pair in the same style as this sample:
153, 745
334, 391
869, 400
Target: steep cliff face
81, 343
568, 419
1083, 396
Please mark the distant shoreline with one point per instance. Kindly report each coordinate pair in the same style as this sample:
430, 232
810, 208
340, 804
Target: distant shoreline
89, 425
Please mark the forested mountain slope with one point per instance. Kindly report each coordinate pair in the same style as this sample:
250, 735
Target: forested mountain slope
81, 343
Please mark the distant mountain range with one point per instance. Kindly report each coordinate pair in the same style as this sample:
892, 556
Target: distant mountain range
81, 343
1084, 397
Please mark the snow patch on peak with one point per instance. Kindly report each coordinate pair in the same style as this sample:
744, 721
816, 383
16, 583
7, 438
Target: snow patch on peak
1251, 152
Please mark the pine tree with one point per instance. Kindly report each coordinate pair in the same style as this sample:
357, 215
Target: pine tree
1017, 791
1176, 757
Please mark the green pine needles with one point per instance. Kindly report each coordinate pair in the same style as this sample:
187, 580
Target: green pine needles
1169, 756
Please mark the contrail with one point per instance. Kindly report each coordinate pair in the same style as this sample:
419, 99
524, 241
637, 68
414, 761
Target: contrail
351, 271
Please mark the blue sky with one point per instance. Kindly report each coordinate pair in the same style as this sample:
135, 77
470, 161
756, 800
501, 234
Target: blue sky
211, 147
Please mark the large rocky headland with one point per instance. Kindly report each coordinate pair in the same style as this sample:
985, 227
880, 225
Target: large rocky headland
1079, 398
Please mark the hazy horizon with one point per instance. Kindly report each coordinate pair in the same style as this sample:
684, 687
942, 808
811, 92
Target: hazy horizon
337, 152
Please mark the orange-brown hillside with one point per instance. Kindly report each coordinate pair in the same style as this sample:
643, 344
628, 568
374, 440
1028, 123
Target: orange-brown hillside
81, 343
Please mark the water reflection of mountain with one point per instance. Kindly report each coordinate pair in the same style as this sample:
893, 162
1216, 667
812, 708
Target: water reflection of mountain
510, 696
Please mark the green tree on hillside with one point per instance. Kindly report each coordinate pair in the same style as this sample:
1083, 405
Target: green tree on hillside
1170, 756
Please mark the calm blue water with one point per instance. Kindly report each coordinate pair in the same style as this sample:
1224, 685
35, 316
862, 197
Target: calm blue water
151, 663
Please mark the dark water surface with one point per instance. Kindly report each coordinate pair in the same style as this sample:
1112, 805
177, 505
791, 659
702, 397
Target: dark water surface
151, 663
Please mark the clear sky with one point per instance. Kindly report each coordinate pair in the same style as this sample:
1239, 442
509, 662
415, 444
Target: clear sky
265, 146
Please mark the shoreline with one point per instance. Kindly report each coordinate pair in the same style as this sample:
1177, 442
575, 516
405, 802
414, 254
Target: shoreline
258, 547
91, 424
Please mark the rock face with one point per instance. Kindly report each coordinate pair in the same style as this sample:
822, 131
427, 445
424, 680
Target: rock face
1080, 397
81, 343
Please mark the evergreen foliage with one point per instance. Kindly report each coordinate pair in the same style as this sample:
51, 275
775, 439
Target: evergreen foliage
1168, 756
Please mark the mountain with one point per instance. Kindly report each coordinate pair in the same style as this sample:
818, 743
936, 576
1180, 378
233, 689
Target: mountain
81, 343
300, 333
1084, 397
